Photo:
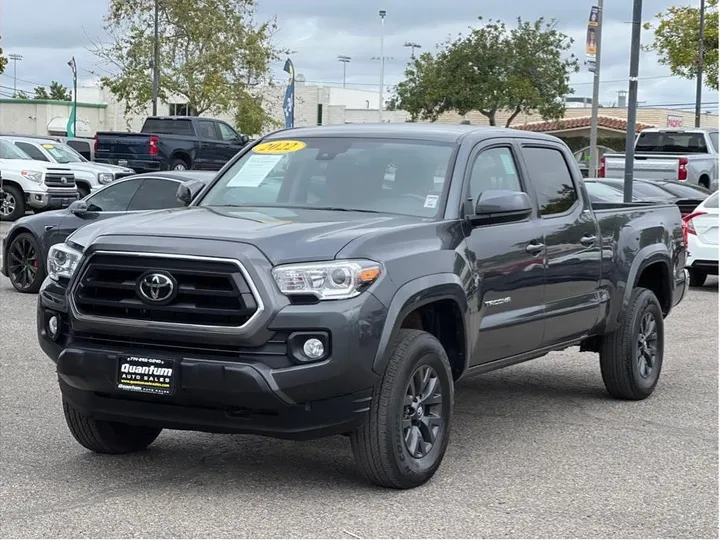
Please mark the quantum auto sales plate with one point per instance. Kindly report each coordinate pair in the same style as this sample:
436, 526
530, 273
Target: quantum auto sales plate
148, 375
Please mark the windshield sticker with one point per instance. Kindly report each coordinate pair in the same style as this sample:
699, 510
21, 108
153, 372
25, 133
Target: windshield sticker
255, 170
431, 201
279, 147
48, 146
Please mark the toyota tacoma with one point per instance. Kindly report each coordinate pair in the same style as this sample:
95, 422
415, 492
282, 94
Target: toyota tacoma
341, 279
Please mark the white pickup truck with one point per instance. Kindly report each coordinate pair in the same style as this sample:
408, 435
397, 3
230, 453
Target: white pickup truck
687, 155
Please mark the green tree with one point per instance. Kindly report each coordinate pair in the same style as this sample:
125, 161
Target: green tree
524, 69
41, 92
20, 95
3, 61
58, 92
212, 53
676, 35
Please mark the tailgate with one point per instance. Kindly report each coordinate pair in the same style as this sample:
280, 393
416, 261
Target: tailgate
656, 168
122, 145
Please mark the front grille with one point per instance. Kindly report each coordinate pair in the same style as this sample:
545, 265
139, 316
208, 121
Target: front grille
208, 292
59, 179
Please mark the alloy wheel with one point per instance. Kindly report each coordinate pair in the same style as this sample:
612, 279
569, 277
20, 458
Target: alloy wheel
23, 262
7, 203
647, 343
422, 422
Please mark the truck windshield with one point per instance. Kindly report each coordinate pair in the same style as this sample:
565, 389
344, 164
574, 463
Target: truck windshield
671, 142
340, 173
10, 151
62, 153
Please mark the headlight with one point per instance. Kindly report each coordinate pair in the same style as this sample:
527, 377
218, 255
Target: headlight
33, 176
105, 177
62, 261
332, 280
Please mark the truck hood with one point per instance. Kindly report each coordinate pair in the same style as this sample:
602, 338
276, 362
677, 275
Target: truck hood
29, 164
282, 234
96, 168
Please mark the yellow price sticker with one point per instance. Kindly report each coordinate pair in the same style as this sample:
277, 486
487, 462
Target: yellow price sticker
279, 147
48, 146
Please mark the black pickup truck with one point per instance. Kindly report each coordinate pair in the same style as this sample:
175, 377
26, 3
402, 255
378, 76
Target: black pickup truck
340, 280
171, 143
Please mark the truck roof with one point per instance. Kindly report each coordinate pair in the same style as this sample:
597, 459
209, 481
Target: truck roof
679, 130
429, 131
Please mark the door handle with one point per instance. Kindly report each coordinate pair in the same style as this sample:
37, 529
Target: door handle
534, 249
588, 240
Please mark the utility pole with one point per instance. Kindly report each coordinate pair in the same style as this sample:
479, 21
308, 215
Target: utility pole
698, 89
633, 100
15, 58
344, 60
596, 94
382, 64
412, 46
156, 63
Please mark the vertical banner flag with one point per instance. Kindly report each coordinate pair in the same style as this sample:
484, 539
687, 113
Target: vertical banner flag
70, 128
591, 40
289, 103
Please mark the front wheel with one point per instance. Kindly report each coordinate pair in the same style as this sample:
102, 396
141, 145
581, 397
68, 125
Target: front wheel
107, 437
26, 267
631, 357
12, 203
404, 441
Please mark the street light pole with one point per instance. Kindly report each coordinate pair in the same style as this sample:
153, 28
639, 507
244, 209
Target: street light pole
698, 89
632, 100
344, 60
15, 58
382, 63
412, 46
596, 94
156, 63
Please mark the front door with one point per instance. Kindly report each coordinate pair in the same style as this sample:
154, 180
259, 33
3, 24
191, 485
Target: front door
508, 264
572, 239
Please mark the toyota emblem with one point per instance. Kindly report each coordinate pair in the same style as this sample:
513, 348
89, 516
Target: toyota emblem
156, 287
63, 180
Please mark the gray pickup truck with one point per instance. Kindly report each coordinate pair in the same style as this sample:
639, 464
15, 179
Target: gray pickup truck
307, 292
687, 155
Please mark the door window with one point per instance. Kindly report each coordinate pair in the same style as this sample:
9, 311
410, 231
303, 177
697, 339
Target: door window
81, 147
207, 130
114, 198
494, 169
155, 194
551, 179
226, 132
32, 151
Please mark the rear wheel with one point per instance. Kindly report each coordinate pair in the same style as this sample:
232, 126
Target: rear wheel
179, 165
404, 441
697, 278
631, 357
107, 437
26, 268
12, 203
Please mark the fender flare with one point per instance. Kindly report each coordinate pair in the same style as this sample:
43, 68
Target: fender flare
409, 297
655, 253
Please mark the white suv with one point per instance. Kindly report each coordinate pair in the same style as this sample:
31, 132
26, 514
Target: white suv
700, 231
32, 184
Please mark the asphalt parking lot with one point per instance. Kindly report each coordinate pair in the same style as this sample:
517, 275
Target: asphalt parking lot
537, 450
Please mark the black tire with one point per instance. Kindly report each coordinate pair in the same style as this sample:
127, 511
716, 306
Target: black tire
12, 203
704, 182
626, 372
25, 264
380, 446
179, 165
697, 277
83, 190
107, 437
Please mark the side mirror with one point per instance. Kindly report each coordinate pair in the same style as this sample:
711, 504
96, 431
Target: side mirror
244, 139
79, 208
500, 206
187, 191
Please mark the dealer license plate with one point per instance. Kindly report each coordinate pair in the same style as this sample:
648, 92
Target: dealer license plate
122, 162
145, 374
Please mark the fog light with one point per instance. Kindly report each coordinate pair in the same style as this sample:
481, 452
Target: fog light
53, 327
313, 349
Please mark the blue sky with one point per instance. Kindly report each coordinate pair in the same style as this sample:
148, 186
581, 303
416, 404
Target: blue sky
48, 32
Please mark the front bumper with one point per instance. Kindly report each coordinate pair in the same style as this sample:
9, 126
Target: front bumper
253, 385
51, 200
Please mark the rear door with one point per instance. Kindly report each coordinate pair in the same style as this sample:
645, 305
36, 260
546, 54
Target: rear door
211, 153
572, 240
506, 261
155, 194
